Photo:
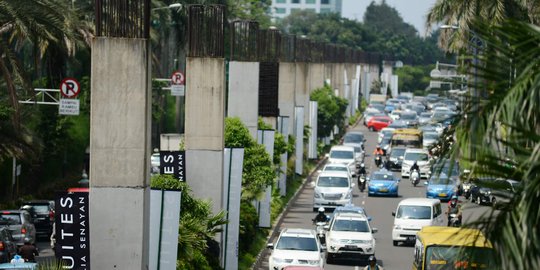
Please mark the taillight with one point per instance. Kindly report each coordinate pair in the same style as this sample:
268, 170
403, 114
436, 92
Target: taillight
51, 215
23, 230
1, 246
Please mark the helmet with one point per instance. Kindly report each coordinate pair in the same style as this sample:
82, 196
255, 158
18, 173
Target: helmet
378, 147
372, 259
362, 165
454, 197
321, 209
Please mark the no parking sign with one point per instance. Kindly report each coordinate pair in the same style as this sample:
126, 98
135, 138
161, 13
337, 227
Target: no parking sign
69, 89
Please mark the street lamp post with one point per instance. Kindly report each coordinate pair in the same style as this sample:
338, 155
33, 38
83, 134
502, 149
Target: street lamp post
475, 93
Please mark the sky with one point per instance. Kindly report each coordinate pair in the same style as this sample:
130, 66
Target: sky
412, 11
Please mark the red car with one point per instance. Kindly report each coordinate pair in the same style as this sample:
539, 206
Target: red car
379, 122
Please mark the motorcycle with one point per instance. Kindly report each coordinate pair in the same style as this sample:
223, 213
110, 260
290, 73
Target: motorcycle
321, 232
455, 220
415, 177
466, 190
362, 182
378, 160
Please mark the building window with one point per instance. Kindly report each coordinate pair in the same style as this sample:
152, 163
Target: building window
310, 1
281, 1
281, 10
295, 10
295, 1
325, 10
325, 2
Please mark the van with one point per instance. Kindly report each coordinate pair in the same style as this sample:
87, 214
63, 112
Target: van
413, 214
344, 155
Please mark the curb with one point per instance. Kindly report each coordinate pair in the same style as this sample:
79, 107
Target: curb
279, 219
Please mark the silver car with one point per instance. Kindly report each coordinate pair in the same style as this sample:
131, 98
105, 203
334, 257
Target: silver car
20, 224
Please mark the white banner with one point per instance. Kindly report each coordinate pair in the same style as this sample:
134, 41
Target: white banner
283, 128
312, 143
266, 138
233, 162
164, 222
299, 134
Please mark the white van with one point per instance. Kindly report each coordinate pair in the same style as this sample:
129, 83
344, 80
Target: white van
413, 214
345, 155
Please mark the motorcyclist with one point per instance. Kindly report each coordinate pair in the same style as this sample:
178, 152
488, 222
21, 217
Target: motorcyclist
415, 167
321, 216
28, 251
372, 264
378, 151
453, 208
362, 170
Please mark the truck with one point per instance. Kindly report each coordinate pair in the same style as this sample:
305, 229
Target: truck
375, 98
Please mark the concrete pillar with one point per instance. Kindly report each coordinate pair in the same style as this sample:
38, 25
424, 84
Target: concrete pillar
316, 76
328, 69
204, 139
243, 100
301, 88
286, 86
120, 159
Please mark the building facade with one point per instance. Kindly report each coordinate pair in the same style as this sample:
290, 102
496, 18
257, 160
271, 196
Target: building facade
282, 8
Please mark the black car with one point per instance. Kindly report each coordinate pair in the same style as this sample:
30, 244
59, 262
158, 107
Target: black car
8, 247
481, 190
396, 157
42, 215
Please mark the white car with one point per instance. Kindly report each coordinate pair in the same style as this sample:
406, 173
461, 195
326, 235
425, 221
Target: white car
344, 154
429, 138
336, 167
412, 214
383, 132
349, 235
421, 157
332, 189
395, 114
296, 247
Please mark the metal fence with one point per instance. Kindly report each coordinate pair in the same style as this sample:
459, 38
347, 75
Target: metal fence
206, 25
287, 48
269, 45
244, 38
123, 18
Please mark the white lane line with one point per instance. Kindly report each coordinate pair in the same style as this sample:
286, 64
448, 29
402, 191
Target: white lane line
363, 202
357, 268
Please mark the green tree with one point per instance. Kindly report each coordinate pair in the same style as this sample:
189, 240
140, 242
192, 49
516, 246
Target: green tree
386, 20
331, 110
413, 78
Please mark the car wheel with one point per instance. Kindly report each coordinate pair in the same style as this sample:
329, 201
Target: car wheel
478, 200
329, 259
396, 243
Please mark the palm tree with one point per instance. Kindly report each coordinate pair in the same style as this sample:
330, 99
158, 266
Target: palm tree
464, 12
507, 137
39, 27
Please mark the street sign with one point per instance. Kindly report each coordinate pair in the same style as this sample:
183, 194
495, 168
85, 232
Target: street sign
178, 90
177, 78
173, 163
70, 88
68, 106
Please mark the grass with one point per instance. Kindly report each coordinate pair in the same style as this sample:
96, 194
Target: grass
246, 260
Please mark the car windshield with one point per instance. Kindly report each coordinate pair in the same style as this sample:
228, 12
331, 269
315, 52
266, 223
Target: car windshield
41, 208
332, 181
379, 107
441, 181
10, 218
356, 210
397, 152
413, 212
408, 116
387, 131
335, 168
297, 243
417, 156
385, 120
425, 115
381, 177
431, 136
386, 140
341, 154
349, 225
353, 138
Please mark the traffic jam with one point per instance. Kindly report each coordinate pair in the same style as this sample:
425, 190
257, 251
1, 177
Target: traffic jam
386, 198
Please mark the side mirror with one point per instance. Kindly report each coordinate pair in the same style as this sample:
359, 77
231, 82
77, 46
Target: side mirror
326, 227
393, 213
353, 185
312, 184
319, 171
367, 178
327, 155
270, 246
323, 248
369, 218
354, 175
426, 183
374, 230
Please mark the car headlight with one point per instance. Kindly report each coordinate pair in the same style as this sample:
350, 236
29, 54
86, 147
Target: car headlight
317, 195
348, 195
397, 227
393, 159
278, 260
313, 262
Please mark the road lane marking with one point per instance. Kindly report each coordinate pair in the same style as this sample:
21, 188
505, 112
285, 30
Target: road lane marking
363, 202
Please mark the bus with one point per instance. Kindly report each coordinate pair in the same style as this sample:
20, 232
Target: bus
445, 248
408, 137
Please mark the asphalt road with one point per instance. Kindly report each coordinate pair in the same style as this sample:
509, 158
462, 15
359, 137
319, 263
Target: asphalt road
379, 208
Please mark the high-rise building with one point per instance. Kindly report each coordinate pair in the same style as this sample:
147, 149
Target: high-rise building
282, 8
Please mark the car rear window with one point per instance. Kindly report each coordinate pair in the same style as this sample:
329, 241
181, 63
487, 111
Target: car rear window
41, 208
9, 218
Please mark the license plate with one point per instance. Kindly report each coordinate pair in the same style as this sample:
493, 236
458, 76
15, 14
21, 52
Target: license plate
383, 190
411, 238
442, 194
331, 203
